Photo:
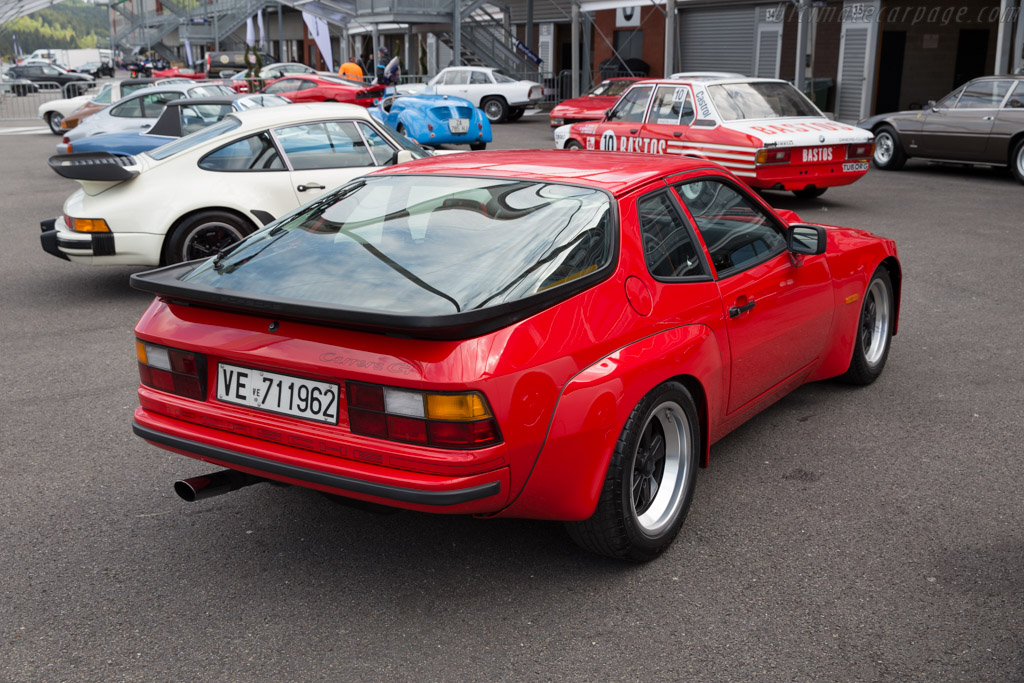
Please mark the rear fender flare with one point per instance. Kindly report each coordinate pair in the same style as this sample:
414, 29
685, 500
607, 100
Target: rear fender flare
593, 407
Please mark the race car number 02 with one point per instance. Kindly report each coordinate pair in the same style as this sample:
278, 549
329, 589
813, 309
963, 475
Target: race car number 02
278, 393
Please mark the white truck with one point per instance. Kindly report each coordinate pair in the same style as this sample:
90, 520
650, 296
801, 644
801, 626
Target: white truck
72, 58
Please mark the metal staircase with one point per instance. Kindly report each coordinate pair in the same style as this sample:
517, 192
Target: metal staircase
215, 23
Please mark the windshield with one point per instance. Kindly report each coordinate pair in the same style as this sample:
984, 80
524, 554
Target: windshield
103, 96
191, 140
423, 245
763, 100
610, 88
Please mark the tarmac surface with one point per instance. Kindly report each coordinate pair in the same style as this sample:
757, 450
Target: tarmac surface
871, 534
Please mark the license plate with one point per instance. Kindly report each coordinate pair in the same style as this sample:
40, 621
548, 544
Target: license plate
276, 393
458, 125
855, 166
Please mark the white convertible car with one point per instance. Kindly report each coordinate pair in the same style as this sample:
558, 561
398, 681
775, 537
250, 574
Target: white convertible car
193, 197
502, 98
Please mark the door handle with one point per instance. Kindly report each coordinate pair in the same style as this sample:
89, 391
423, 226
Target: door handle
678, 133
311, 186
987, 118
633, 130
735, 311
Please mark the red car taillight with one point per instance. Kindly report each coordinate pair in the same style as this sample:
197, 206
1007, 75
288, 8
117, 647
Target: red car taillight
862, 150
172, 370
772, 156
459, 420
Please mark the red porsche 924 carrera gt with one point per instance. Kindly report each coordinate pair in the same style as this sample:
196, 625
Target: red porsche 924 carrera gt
534, 334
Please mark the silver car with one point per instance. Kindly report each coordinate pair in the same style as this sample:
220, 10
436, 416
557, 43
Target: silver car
981, 122
138, 111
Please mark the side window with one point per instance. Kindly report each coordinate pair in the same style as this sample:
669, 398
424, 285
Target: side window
459, 77
1016, 100
478, 78
737, 233
631, 107
153, 105
254, 153
949, 100
333, 144
987, 94
132, 109
287, 85
669, 247
673, 105
379, 147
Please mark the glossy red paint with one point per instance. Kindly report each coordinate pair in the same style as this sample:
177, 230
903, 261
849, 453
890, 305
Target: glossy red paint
589, 107
561, 383
314, 88
175, 72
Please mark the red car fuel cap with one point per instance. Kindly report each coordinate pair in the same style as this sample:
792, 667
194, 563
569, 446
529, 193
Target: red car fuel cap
638, 295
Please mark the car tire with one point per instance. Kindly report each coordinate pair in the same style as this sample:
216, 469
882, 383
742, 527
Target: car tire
203, 234
53, 120
810, 192
650, 481
495, 109
1017, 161
889, 154
873, 335
478, 146
572, 145
515, 113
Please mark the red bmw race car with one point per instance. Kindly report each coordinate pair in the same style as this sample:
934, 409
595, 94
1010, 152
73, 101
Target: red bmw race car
323, 88
593, 105
763, 130
512, 334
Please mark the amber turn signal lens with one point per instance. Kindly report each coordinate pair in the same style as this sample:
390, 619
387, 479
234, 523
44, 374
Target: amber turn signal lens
456, 407
89, 225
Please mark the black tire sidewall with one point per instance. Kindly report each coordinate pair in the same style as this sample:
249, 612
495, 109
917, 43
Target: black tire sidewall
1016, 162
572, 145
175, 244
860, 370
504, 108
898, 157
643, 546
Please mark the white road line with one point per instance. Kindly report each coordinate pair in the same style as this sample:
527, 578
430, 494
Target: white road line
24, 131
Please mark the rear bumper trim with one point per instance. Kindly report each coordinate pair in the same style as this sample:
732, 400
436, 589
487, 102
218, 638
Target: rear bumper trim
453, 497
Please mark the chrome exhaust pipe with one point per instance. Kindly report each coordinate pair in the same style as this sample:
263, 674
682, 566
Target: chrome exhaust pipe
215, 484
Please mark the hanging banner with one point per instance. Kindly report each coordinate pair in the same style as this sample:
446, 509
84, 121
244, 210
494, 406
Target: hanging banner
250, 35
188, 52
319, 32
263, 32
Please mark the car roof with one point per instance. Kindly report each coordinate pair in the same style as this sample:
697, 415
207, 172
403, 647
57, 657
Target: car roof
707, 79
611, 171
297, 113
222, 99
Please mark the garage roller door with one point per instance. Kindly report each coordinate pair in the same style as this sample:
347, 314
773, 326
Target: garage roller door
718, 39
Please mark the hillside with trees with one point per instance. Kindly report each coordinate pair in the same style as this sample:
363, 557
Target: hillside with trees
68, 24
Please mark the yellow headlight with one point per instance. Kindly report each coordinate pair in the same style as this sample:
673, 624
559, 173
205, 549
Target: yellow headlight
456, 407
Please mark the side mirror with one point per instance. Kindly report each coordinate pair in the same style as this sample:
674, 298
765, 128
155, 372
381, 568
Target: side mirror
806, 240
401, 156
931, 105
607, 114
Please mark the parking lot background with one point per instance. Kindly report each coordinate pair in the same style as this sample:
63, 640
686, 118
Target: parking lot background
844, 534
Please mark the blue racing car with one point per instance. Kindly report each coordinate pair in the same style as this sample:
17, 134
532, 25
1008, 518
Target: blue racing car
435, 119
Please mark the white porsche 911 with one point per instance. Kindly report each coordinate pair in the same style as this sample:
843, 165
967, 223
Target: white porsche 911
195, 196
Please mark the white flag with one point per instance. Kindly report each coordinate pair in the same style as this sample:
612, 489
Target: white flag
188, 51
250, 35
263, 33
320, 34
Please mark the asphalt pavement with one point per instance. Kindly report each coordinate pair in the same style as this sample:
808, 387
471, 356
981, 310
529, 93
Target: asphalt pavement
871, 534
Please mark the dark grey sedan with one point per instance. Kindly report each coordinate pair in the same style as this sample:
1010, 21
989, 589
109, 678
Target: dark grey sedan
981, 122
